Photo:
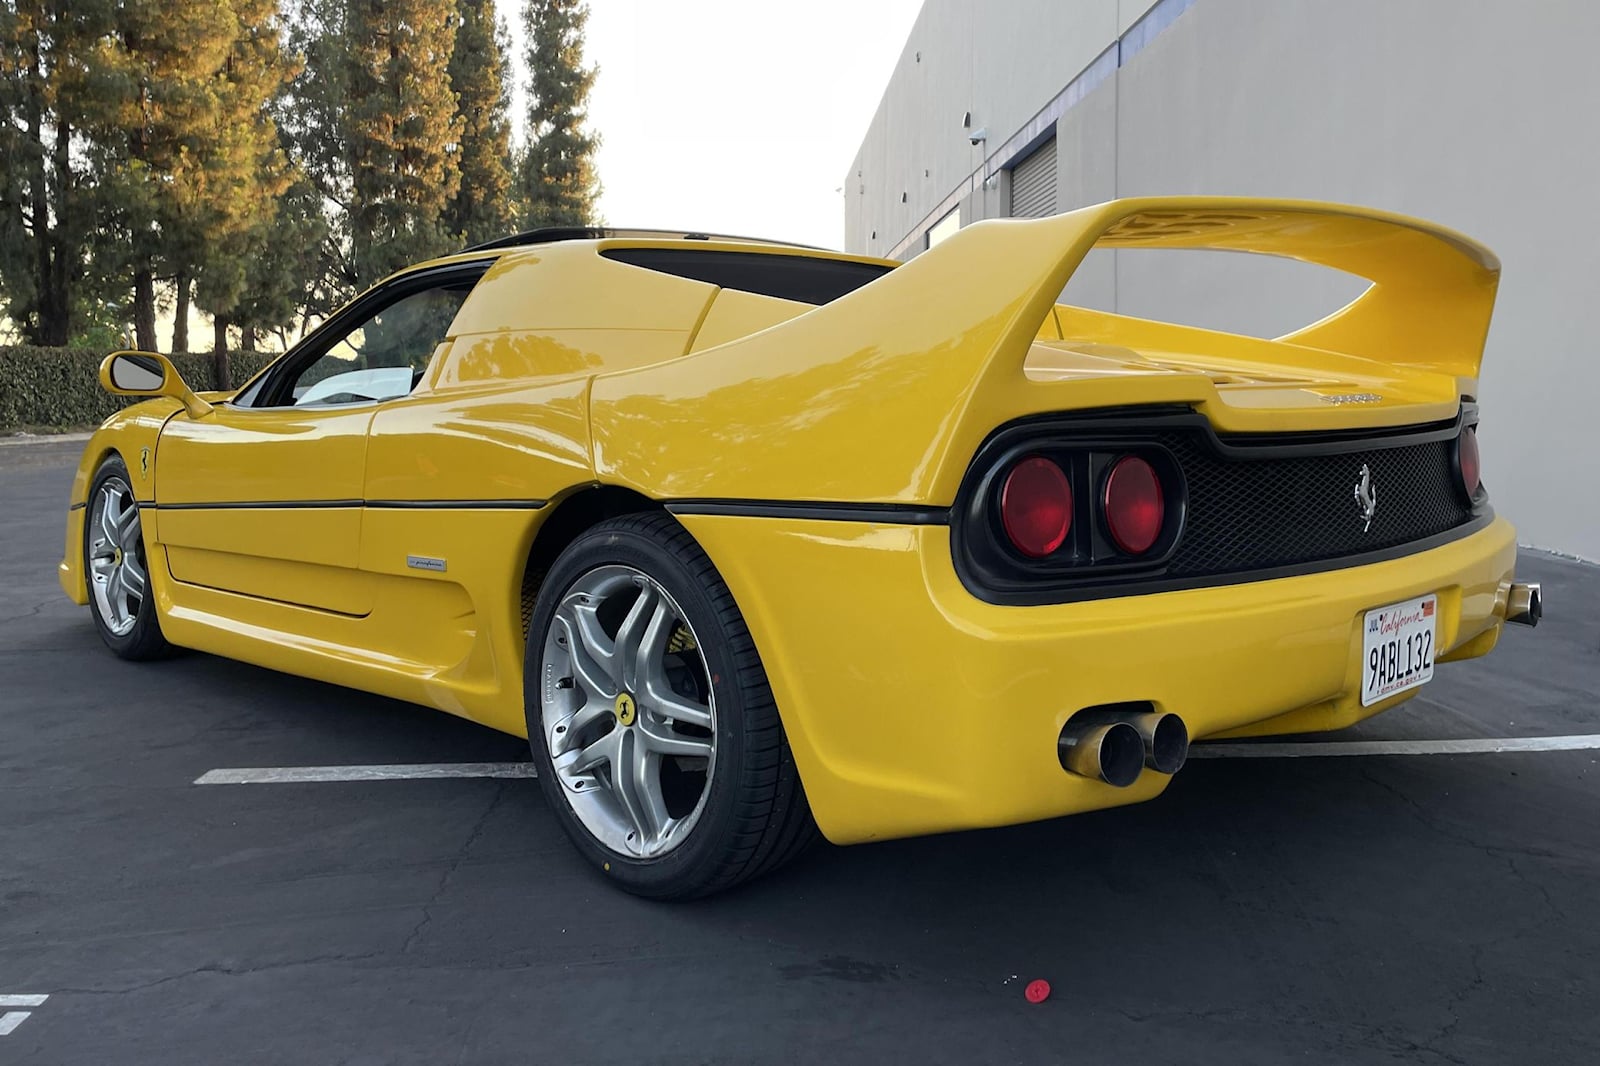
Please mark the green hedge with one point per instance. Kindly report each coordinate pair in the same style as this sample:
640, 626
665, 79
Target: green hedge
60, 387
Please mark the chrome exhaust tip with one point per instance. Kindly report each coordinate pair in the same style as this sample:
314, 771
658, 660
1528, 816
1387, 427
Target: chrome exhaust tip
1165, 739
1163, 736
1110, 751
1525, 604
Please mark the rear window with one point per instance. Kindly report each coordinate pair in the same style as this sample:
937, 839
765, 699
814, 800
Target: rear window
787, 277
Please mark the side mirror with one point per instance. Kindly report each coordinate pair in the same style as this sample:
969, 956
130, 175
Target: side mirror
149, 374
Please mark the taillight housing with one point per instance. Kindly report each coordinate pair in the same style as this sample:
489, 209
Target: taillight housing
1468, 467
1036, 507
1042, 512
1133, 505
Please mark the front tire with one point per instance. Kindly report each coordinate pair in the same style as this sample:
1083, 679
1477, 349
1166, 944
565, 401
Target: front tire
651, 723
116, 568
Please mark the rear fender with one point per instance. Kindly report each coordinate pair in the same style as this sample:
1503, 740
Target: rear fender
864, 398
885, 394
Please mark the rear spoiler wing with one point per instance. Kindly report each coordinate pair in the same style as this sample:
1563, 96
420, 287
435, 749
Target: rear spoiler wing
1432, 291
885, 394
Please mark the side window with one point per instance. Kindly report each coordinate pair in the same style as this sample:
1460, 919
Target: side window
384, 356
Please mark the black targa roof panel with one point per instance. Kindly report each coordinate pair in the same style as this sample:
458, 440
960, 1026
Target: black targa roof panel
806, 279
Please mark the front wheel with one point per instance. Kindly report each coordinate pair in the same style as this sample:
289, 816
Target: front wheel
652, 727
118, 572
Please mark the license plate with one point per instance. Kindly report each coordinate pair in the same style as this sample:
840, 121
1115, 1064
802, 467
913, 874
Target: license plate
1397, 648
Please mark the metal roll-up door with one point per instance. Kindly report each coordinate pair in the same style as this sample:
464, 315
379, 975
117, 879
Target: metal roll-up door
1033, 183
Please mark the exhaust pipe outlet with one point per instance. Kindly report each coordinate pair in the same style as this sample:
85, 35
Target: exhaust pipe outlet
1163, 738
1166, 740
1111, 752
1525, 604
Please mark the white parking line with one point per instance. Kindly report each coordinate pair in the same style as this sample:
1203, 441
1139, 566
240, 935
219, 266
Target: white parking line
1330, 748
13, 1018
290, 775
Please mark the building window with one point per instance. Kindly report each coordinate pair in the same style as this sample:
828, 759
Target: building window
944, 227
1033, 183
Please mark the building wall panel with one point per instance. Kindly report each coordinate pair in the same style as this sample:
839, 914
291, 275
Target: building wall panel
1479, 116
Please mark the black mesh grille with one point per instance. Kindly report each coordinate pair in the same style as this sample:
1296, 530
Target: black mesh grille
1256, 506
1255, 514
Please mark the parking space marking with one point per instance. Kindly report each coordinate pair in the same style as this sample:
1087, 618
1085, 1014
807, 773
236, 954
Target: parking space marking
1332, 748
13, 1018
290, 775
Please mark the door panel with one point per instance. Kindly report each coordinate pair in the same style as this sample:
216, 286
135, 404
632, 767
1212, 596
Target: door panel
483, 461
266, 496
267, 503
267, 455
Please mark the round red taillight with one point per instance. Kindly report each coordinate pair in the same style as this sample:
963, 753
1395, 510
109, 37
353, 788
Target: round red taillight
1467, 461
1134, 507
1036, 507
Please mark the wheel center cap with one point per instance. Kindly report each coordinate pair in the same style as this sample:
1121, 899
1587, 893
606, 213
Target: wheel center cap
627, 710
116, 556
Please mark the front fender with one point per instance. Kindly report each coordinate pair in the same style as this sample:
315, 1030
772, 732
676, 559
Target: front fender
133, 434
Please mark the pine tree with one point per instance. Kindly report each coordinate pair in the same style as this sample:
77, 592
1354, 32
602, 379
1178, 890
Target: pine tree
555, 173
481, 209
401, 131
157, 131
46, 179
216, 234
311, 113
280, 261
374, 126
184, 158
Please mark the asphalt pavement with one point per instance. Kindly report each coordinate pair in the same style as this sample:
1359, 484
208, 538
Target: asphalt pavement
1377, 909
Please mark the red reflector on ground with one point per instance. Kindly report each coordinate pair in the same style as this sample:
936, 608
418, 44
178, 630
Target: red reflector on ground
1134, 505
1037, 991
1036, 507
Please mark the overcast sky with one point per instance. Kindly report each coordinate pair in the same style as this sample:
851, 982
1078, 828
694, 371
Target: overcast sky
737, 116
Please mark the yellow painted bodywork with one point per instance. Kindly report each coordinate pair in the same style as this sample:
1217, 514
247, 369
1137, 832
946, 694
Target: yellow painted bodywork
926, 710
131, 434
911, 705
927, 361
304, 555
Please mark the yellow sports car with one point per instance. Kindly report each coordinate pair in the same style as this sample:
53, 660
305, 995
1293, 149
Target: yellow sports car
752, 539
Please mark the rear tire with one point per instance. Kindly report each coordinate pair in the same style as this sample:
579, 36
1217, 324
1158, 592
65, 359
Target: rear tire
638, 659
116, 570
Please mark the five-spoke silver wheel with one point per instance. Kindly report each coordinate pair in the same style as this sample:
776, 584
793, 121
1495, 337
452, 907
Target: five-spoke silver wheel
118, 574
627, 711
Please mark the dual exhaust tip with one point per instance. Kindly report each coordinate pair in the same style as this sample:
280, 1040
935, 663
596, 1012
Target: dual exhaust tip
1115, 743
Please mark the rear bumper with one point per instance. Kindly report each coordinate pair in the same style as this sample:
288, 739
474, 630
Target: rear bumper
913, 707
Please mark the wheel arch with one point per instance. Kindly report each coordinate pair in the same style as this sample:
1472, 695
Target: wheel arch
756, 806
130, 435
569, 518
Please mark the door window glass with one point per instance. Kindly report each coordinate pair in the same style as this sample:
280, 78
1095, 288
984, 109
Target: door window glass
383, 357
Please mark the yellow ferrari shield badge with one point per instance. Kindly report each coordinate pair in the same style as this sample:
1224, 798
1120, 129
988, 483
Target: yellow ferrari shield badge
626, 711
